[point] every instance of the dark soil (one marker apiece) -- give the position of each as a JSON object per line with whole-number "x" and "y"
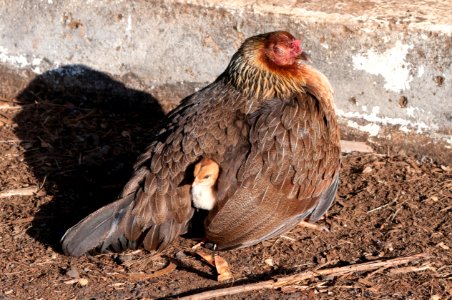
{"x": 79, "y": 151}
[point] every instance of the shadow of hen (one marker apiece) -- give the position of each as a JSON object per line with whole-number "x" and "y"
{"x": 82, "y": 131}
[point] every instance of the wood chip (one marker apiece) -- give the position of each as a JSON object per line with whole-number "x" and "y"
{"x": 442, "y": 245}
{"x": 269, "y": 261}
{"x": 367, "y": 170}
{"x": 313, "y": 226}
{"x": 446, "y": 168}
{"x": 72, "y": 281}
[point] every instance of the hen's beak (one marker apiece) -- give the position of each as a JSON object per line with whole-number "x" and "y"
{"x": 304, "y": 56}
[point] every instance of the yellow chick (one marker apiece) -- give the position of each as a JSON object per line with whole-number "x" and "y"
{"x": 203, "y": 188}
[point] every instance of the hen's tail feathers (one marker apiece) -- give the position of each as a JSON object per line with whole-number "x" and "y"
{"x": 326, "y": 199}
{"x": 98, "y": 229}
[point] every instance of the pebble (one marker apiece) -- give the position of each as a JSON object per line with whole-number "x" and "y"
{"x": 269, "y": 261}
{"x": 180, "y": 255}
{"x": 83, "y": 281}
{"x": 73, "y": 272}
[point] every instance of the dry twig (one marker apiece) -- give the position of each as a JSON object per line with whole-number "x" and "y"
{"x": 26, "y": 191}
{"x": 383, "y": 206}
{"x": 411, "y": 269}
{"x": 297, "y": 278}
{"x": 9, "y": 105}
{"x": 313, "y": 226}
{"x": 144, "y": 276}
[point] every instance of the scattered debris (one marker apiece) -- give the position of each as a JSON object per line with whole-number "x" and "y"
{"x": 298, "y": 278}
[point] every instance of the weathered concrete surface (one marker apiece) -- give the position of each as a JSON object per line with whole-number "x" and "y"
{"x": 390, "y": 62}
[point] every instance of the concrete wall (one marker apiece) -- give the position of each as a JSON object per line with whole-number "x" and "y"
{"x": 390, "y": 62}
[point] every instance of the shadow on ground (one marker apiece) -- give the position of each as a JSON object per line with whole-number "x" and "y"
{"x": 82, "y": 132}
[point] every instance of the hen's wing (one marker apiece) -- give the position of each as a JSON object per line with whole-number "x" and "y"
{"x": 288, "y": 171}
{"x": 155, "y": 205}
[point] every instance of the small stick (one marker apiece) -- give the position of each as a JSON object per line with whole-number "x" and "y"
{"x": 3, "y": 99}
{"x": 144, "y": 276}
{"x": 5, "y": 106}
{"x": 287, "y": 238}
{"x": 297, "y": 278}
{"x": 26, "y": 191}
{"x": 10, "y": 141}
{"x": 411, "y": 269}
{"x": 445, "y": 209}
{"x": 313, "y": 226}
{"x": 383, "y": 206}
{"x": 392, "y": 217}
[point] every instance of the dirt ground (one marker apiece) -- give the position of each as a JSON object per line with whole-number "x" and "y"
{"x": 78, "y": 152}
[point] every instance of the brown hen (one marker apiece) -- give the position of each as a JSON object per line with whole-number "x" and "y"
{"x": 268, "y": 121}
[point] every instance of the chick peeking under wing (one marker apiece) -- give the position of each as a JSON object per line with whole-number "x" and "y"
{"x": 203, "y": 188}
{"x": 204, "y": 196}
{"x": 204, "y": 193}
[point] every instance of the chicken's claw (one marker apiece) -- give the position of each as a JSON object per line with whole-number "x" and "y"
{"x": 214, "y": 260}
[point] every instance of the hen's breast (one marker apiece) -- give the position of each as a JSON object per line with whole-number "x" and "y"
{"x": 203, "y": 197}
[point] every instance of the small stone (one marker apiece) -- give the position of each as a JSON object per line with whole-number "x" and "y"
{"x": 269, "y": 261}
{"x": 367, "y": 169}
{"x": 83, "y": 281}
{"x": 434, "y": 198}
{"x": 403, "y": 102}
{"x": 328, "y": 278}
{"x": 124, "y": 258}
{"x": 73, "y": 272}
{"x": 439, "y": 80}
{"x": 125, "y": 133}
{"x": 180, "y": 255}
{"x": 389, "y": 247}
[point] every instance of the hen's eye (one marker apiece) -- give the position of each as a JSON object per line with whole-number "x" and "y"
{"x": 277, "y": 50}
